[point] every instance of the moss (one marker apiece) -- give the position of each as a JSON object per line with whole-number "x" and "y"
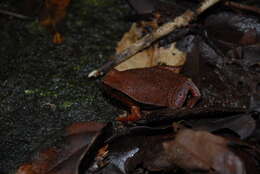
{"x": 97, "y": 2}
{"x": 34, "y": 28}
{"x": 66, "y": 104}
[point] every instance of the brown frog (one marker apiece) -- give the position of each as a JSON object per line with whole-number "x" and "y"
{"x": 155, "y": 86}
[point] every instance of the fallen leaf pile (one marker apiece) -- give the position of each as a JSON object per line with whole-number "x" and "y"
{"x": 92, "y": 147}
{"x": 79, "y": 137}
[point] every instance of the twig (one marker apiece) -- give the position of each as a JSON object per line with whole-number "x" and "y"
{"x": 20, "y": 16}
{"x": 147, "y": 40}
{"x": 242, "y": 7}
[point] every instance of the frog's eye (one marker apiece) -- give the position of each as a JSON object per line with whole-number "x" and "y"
{"x": 180, "y": 94}
{"x": 179, "y": 100}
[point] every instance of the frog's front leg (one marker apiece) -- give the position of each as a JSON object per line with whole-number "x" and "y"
{"x": 135, "y": 114}
{"x": 194, "y": 92}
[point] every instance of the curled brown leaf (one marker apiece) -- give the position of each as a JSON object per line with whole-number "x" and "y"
{"x": 202, "y": 151}
{"x": 65, "y": 160}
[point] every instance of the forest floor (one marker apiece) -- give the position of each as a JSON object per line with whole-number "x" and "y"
{"x": 43, "y": 86}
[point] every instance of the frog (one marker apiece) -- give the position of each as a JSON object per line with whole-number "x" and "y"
{"x": 156, "y": 87}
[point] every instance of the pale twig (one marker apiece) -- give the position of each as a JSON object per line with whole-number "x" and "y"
{"x": 147, "y": 40}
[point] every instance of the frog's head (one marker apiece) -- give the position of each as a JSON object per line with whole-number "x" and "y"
{"x": 179, "y": 97}
{"x": 111, "y": 78}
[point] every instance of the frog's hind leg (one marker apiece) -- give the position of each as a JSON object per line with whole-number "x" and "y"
{"x": 135, "y": 113}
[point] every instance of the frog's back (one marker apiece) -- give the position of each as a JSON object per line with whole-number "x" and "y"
{"x": 152, "y": 86}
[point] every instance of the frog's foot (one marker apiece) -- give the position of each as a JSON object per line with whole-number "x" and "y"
{"x": 124, "y": 114}
{"x": 133, "y": 116}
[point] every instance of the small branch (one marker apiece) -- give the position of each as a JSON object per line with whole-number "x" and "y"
{"x": 147, "y": 40}
{"x": 242, "y": 7}
{"x": 20, "y": 16}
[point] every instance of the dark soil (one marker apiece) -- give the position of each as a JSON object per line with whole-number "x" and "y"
{"x": 44, "y": 87}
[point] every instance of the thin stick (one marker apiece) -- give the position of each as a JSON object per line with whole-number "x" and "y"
{"x": 20, "y": 16}
{"x": 147, "y": 40}
{"x": 242, "y": 7}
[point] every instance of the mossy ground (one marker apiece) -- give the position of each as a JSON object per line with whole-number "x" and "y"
{"x": 44, "y": 87}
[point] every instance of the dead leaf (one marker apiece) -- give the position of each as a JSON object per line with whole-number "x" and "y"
{"x": 202, "y": 151}
{"x": 169, "y": 115}
{"x": 143, "y": 6}
{"x": 143, "y": 59}
{"x": 212, "y": 119}
{"x": 125, "y": 149}
{"x": 51, "y": 16}
{"x": 232, "y": 29}
{"x": 243, "y": 125}
{"x": 151, "y": 56}
{"x": 246, "y": 56}
{"x": 66, "y": 160}
{"x": 255, "y": 102}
